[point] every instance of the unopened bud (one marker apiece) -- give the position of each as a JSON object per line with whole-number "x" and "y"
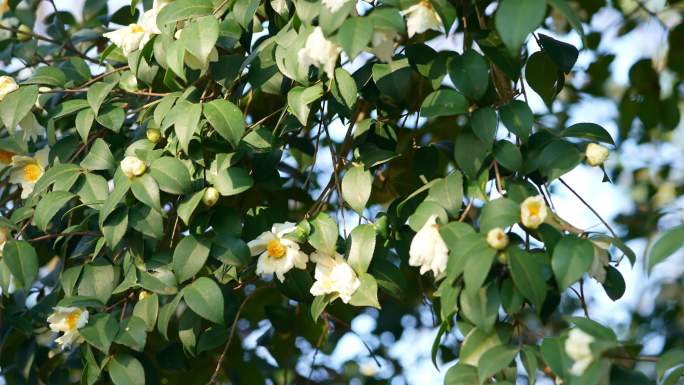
{"x": 210, "y": 197}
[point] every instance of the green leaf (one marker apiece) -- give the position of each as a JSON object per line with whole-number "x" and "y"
{"x": 516, "y": 19}
{"x": 48, "y": 206}
{"x": 563, "y": 54}
{"x": 204, "y": 297}
{"x": 494, "y": 360}
{"x": 147, "y": 309}
{"x": 16, "y": 105}
{"x": 557, "y": 158}
{"x": 318, "y": 305}
{"x": 501, "y": 212}
{"x": 325, "y": 232}
{"x": 484, "y": 122}
{"x": 470, "y": 153}
{"x": 230, "y": 250}
{"x": 667, "y": 244}
{"x": 552, "y": 351}
{"x": 361, "y": 247}
{"x": 115, "y": 226}
{"x": 22, "y": 261}
{"x": 188, "y": 206}
{"x": 591, "y": 131}
{"x": 478, "y": 261}
{"x": 99, "y": 157}
{"x": 444, "y": 102}
{"x": 673, "y": 357}
{"x": 97, "y": 93}
{"x": 543, "y": 76}
{"x": 481, "y": 307}
{"x": 299, "y": 99}
{"x": 356, "y": 187}
{"x": 133, "y": 334}
{"x": 393, "y": 78}
{"x": 470, "y": 74}
{"x": 423, "y": 212}
{"x": 354, "y": 35}
{"x": 199, "y": 37}
{"x": 527, "y": 276}
{"x": 98, "y": 280}
{"x": 448, "y": 193}
{"x": 146, "y": 190}
{"x": 227, "y": 120}
{"x": 165, "y": 314}
{"x": 571, "y": 258}
{"x": 344, "y": 88}
{"x": 189, "y": 257}
{"x": 125, "y": 369}
{"x": 67, "y": 108}
{"x": 233, "y": 181}
{"x": 461, "y": 374}
{"x": 184, "y": 9}
{"x": 367, "y": 293}
{"x": 187, "y": 122}
{"x": 508, "y": 155}
{"x": 100, "y": 331}
{"x": 49, "y": 76}
{"x": 112, "y": 117}
{"x": 84, "y": 122}
{"x": 171, "y": 175}
{"x": 517, "y": 117}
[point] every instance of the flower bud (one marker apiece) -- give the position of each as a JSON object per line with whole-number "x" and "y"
{"x": 596, "y": 154}
{"x": 132, "y": 166}
{"x": 210, "y": 197}
{"x": 497, "y": 238}
{"x": 153, "y": 135}
{"x": 24, "y": 33}
{"x": 502, "y": 258}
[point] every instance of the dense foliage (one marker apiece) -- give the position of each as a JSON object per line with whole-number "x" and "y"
{"x": 179, "y": 175}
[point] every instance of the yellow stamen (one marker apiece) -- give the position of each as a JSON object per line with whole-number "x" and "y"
{"x": 32, "y": 172}
{"x": 6, "y": 157}
{"x": 275, "y": 249}
{"x": 72, "y": 319}
{"x": 136, "y": 28}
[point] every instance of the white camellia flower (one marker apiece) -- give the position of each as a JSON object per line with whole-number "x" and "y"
{"x": 280, "y": 6}
{"x": 30, "y": 127}
{"x": 68, "y": 320}
{"x": 277, "y": 254}
{"x": 26, "y": 170}
{"x": 7, "y": 85}
{"x": 596, "y": 154}
{"x": 132, "y": 166}
{"x": 428, "y": 249}
{"x": 422, "y": 17}
{"x": 383, "y": 44}
{"x": 134, "y": 36}
{"x": 127, "y": 38}
{"x": 319, "y": 52}
{"x": 533, "y": 212}
{"x": 334, "y": 276}
{"x": 577, "y": 347}
{"x": 334, "y": 5}
{"x": 497, "y": 238}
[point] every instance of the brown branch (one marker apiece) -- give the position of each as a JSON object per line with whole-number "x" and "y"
{"x": 56, "y": 235}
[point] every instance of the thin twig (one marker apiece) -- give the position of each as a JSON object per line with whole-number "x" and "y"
{"x": 589, "y": 207}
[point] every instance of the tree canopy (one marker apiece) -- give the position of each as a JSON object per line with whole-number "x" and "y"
{"x": 213, "y": 191}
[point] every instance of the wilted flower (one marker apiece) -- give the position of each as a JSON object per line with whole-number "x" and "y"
{"x": 422, "y": 17}
{"x": 428, "y": 249}
{"x": 334, "y": 276}
{"x": 277, "y": 254}
{"x": 7, "y": 85}
{"x": 497, "y": 238}
{"x": 383, "y": 44}
{"x": 577, "y": 347}
{"x": 319, "y": 52}
{"x": 26, "y": 170}
{"x": 533, "y": 212}
{"x": 596, "y": 154}
{"x": 68, "y": 320}
{"x": 132, "y": 166}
